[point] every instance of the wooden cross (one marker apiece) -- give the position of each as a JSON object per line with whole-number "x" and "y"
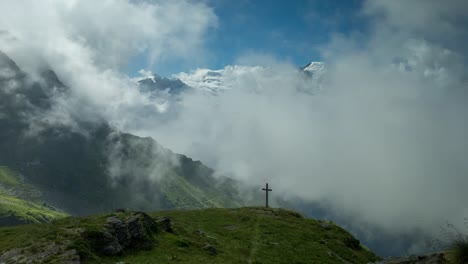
{"x": 266, "y": 191}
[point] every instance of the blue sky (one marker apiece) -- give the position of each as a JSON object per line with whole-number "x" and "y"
{"x": 289, "y": 31}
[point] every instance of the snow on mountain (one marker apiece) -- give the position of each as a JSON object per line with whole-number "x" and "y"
{"x": 314, "y": 67}
{"x": 156, "y": 84}
{"x": 214, "y": 82}
{"x": 316, "y": 71}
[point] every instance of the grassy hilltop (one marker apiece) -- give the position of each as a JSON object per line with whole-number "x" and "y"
{"x": 244, "y": 235}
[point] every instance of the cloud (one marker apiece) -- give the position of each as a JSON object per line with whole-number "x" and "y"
{"x": 442, "y": 23}
{"x": 108, "y": 33}
{"x": 89, "y": 44}
{"x": 384, "y": 142}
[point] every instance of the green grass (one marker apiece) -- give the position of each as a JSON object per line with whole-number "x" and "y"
{"x": 34, "y": 238}
{"x": 8, "y": 177}
{"x": 459, "y": 250}
{"x": 243, "y": 235}
{"x": 182, "y": 194}
{"x": 21, "y": 202}
{"x": 25, "y": 211}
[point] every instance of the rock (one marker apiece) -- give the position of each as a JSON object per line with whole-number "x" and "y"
{"x": 352, "y": 243}
{"x": 165, "y": 224}
{"x": 118, "y": 234}
{"x": 111, "y": 238}
{"x": 135, "y": 229}
{"x": 104, "y": 242}
{"x": 199, "y": 232}
{"x": 138, "y": 234}
{"x": 70, "y": 257}
{"x": 33, "y": 254}
{"x": 120, "y": 229}
{"x": 147, "y": 221}
{"x": 210, "y": 248}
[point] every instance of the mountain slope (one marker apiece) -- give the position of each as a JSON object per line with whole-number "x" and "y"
{"x": 244, "y": 235}
{"x": 88, "y": 166}
{"x": 21, "y": 203}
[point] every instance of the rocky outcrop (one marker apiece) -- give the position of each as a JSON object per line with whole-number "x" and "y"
{"x": 36, "y": 253}
{"x": 165, "y": 224}
{"x": 119, "y": 233}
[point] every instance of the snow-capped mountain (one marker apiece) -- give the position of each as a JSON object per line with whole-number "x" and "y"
{"x": 158, "y": 84}
{"x": 216, "y": 81}
{"x": 314, "y": 67}
{"x": 316, "y": 71}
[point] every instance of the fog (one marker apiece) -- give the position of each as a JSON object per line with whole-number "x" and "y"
{"x": 384, "y": 139}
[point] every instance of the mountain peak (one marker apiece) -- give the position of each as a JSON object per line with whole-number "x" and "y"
{"x": 156, "y": 83}
{"x": 313, "y": 66}
{"x": 8, "y": 68}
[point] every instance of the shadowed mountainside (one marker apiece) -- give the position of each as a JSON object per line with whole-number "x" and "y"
{"x": 90, "y": 167}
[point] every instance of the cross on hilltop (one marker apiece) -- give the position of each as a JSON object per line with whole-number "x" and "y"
{"x": 266, "y": 191}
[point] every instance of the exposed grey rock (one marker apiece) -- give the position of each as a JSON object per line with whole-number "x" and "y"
{"x": 165, "y": 224}
{"x": 119, "y": 234}
{"x": 147, "y": 221}
{"x": 110, "y": 244}
{"x": 41, "y": 255}
{"x": 159, "y": 84}
{"x": 70, "y": 257}
{"x": 135, "y": 229}
{"x": 116, "y": 235}
{"x": 199, "y": 232}
{"x": 120, "y": 229}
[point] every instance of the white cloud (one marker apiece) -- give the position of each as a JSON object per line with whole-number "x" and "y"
{"x": 384, "y": 141}
{"x": 89, "y": 44}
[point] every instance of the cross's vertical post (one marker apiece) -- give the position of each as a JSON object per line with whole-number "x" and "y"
{"x": 266, "y": 191}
